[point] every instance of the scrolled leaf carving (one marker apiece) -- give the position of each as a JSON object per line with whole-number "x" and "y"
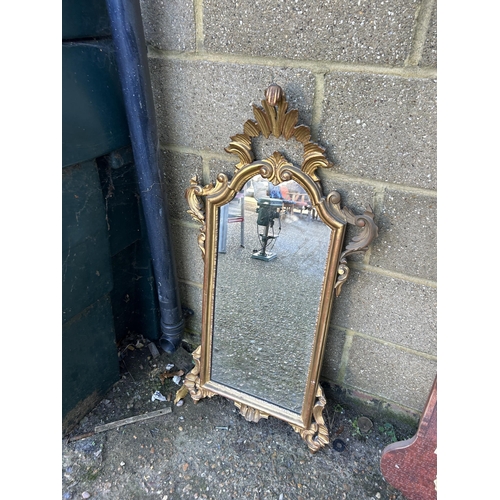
{"x": 241, "y": 145}
{"x": 314, "y": 158}
{"x": 342, "y": 274}
{"x": 274, "y": 168}
{"x": 359, "y": 243}
{"x": 333, "y": 202}
{"x": 194, "y": 195}
{"x": 192, "y": 380}
{"x": 275, "y": 118}
{"x": 249, "y": 413}
{"x": 317, "y": 435}
{"x": 362, "y": 241}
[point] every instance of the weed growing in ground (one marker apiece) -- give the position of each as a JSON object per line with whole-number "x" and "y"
{"x": 331, "y": 419}
{"x": 388, "y": 430}
{"x": 356, "y": 431}
{"x": 91, "y": 474}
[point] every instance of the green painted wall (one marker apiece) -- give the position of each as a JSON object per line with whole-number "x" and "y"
{"x": 108, "y": 288}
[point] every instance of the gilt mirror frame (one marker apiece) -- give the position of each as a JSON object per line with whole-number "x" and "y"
{"x": 204, "y": 203}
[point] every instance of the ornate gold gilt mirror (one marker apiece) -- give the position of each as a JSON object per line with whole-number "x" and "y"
{"x": 273, "y": 253}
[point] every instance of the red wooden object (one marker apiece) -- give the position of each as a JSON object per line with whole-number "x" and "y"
{"x": 411, "y": 466}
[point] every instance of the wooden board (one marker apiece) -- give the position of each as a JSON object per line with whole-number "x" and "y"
{"x": 132, "y": 420}
{"x": 411, "y": 465}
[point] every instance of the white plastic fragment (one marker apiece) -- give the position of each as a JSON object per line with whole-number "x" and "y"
{"x": 158, "y": 396}
{"x": 169, "y": 367}
{"x": 180, "y": 402}
{"x": 177, "y": 379}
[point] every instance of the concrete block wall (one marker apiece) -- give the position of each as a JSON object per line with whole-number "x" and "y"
{"x": 363, "y": 76}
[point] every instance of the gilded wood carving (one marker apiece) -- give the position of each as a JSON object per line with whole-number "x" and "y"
{"x": 205, "y": 202}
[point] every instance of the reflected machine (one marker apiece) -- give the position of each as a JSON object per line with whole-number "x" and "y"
{"x": 268, "y": 209}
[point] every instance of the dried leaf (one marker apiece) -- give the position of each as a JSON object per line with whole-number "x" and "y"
{"x": 164, "y": 375}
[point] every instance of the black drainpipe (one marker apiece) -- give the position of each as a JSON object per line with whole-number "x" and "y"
{"x": 131, "y": 55}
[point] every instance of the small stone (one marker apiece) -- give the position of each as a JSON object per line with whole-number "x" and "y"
{"x": 180, "y": 402}
{"x": 85, "y": 494}
{"x": 364, "y": 424}
{"x": 122, "y": 463}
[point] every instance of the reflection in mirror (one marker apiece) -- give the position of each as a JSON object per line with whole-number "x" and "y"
{"x": 270, "y": 268}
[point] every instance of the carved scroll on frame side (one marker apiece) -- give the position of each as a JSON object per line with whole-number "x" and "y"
{"x": 192, "y": 380}
{"x": 317, "y": 435}
{"x": 359, "y": 243}
{"x": 195, "y": 195}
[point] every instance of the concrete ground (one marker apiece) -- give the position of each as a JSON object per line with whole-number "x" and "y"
{"x": 209, "y": 451}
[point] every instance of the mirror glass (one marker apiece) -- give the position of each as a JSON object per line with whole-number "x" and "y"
{"x": 272, "y": 252}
